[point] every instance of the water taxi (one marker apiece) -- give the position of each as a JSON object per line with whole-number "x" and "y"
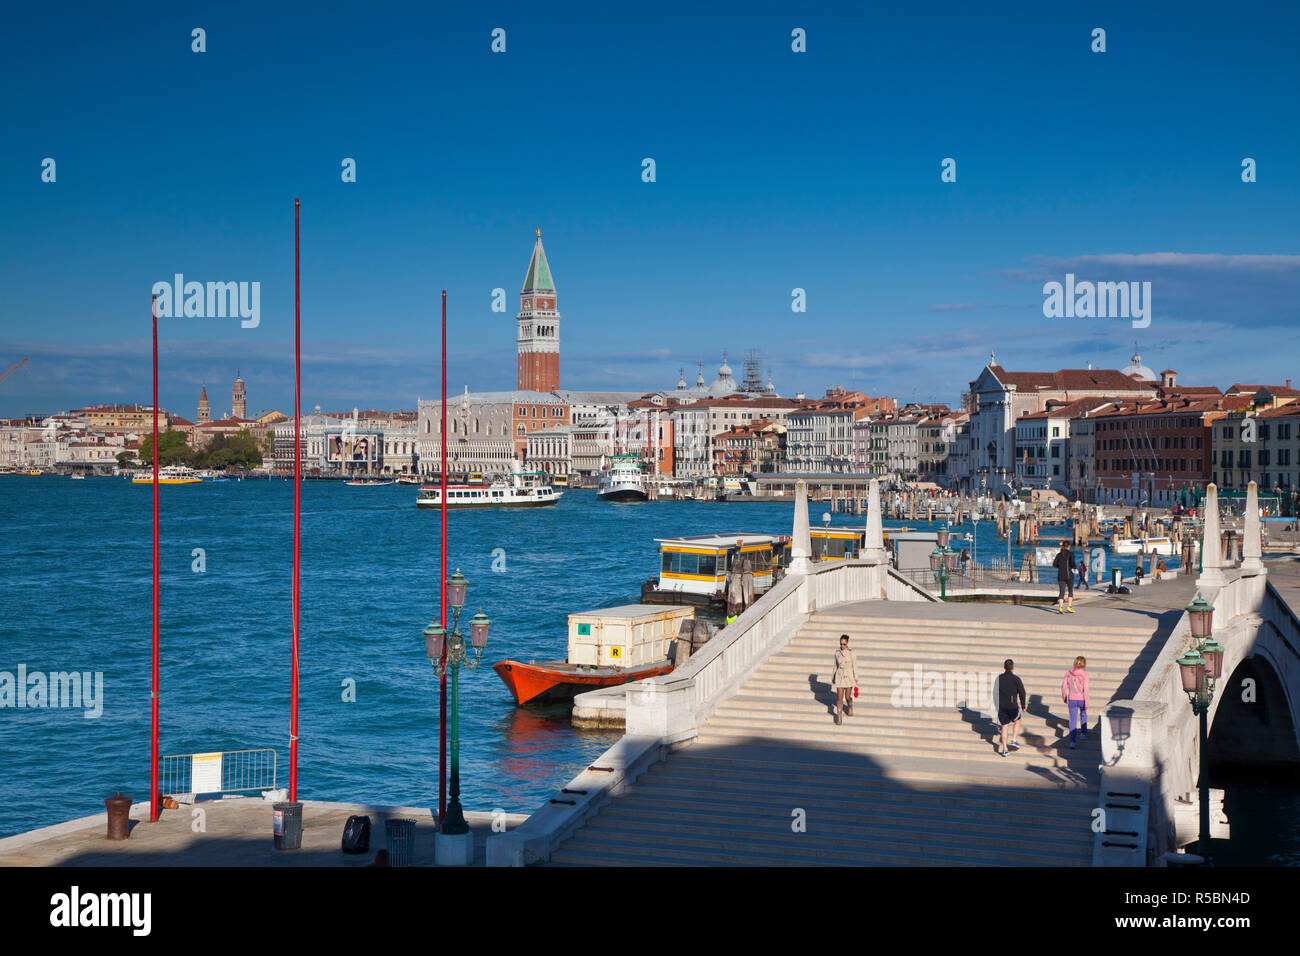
{"x": 1147, "y": 546}
{"x": 621, "y": 479}
{"x": 409, "y": 480}
{"x": 611, "y": 646}
{"x": 516, "y": 490}
{"x": 369, "y": 482}
{"x": 560, "y": 481}
{"x": 171, "y": 475}
{"x": 693, "y": 569}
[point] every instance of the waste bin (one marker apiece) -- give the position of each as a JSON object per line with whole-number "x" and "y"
{"x": 288, "y": 825}
{"x": 400, "y": 834}
{"x": 1116, "y": 577}
{"x": 119, "y": 816}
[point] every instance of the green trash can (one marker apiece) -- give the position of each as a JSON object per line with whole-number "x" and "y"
{"x": 288, "y": 825}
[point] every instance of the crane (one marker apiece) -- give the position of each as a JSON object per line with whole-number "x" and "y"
{"x": 13, "y": 368}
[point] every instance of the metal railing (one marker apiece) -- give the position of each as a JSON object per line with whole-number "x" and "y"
{"x": 223, "y": 771}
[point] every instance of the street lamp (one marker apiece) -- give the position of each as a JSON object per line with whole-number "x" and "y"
{"x": 1200, "y": 667}
{"x": 942, "y": 561}
{"x": 436, "y": 641}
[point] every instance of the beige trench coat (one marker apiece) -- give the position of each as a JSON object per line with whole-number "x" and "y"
{"x": 846, "y": 669}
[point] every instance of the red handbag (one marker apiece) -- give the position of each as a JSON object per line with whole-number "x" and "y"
{"x": 855, "y": 692}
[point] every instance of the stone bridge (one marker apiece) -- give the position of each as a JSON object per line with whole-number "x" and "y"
{"x": 734, "y": 757}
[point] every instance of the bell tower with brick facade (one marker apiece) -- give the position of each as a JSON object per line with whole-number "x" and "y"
{"x": 539, "y": 326}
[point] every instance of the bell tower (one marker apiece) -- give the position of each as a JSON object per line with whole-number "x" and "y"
{"x": 237, "y": 399}
{"x": 205, "y": 410}
{"x": 539, "y": 326}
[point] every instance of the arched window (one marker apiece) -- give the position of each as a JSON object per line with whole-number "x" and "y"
{"x": 522, "y": 428}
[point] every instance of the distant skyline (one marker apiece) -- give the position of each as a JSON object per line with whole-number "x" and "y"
{"x": 775, "y": 171}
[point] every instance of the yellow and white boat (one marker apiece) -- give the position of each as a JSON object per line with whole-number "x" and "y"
{"x": 693, "y": 569}
{"x": 171, "y": 475}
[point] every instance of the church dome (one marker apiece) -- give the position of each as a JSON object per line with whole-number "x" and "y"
{"x": 1136, "y": 367}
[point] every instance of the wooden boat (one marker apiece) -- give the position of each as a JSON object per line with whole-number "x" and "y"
{"x": 606, "y": 647}
{"x": 368, "y": 483}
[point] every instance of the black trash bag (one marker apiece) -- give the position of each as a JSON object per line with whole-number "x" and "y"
{"x": 356, "y": 835}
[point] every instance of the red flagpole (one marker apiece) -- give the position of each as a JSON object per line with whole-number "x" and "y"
{"x": 153, "y": 696}
{"x": 297, "y": 502}
{"x": 442, "y": 603}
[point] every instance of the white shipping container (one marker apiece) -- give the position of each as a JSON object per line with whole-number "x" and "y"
{"x": 633, "y": 635}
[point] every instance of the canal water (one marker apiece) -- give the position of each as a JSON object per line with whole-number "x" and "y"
{"x": 75, "y": 575}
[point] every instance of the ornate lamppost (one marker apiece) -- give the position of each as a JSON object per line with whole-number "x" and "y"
{"x": 1201, "y": 666}
{"x": 458, "y": 655}
{"x": 942, "y": 561}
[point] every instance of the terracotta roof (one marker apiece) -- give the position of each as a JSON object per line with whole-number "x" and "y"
{"x": 1069, "y": 378}
{"x": 1280, "y": 391}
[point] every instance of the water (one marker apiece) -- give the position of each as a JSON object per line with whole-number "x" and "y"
{"x": 76, "y": 573}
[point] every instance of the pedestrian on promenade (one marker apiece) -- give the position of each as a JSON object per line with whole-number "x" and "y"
{"x": 844, "y": 679}
{"x": 1083, "y": 575}
{"x": 1009, "y": 698}
{"x": 1064, "y": 578}
{"x": 1074, "y": 694}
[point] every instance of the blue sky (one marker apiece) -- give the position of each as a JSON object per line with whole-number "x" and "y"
{"x": 775, "y": 170}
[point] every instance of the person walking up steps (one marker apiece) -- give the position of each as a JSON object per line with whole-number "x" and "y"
{"x": 1064, "y": 578}
{"x": 1074, "y": 694}
{"x": 1009, "y": 698}
{"x": 844, "y": 680}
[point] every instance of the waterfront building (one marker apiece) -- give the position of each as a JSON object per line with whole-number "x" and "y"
{"x": 1271, "y": 459}
{"x": 936, "y": 437}
{"x": 184, "y": 426}
{"x": 551, "y": 450}
{"x": 750, "y": 449}
{"x": 1148, "y": 451}
{"x": 120, "y": 416}
{"x": 820, "y": 433}
{"x": 999, "y": 397}
{"x": 398, "y": 450}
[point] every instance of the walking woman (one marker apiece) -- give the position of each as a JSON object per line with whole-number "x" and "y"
{"x": 1074, "y": 694}
{"x": 844, "y": 680}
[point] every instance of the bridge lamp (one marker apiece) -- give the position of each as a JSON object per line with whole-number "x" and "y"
{"x": 1192, "y": 667}
{"x": 1201, "y": 614}
{"x": 1212, "y": 651}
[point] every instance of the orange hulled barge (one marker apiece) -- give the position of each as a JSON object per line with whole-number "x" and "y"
{"x": 607, "y": 647}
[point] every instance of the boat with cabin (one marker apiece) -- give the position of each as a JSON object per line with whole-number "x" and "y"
{"x": 1160, "y": 545}
{"x": 694, "y": 569}
{"x": 519, "y": 489}
{"x": 611, "y": 646}
{"x": 622, "y": 479}
{"x": 170, "y": 475}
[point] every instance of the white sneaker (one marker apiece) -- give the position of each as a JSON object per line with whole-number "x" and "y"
{"x": 1013, "y": 745}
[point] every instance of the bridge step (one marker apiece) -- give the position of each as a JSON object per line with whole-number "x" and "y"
{"x": 891, "y": 785}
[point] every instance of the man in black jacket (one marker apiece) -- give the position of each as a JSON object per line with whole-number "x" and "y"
{"x": 1009, "y": 698}
{"x": 1064, "y": 578}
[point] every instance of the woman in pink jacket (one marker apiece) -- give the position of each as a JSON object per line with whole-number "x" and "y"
{"x": 1074, "y": 693}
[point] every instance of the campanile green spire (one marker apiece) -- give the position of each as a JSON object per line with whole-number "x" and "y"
{"x": 538, "y": 278}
